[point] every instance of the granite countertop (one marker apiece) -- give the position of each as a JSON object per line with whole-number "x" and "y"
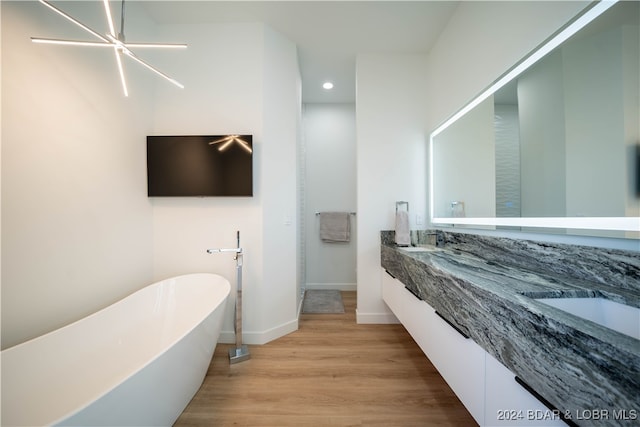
{"x": 575, "y": 364}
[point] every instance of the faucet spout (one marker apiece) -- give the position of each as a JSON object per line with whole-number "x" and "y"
{"x": 217, "y": 250}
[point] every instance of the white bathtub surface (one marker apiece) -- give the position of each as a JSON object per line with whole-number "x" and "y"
{"x": 52, "y": 377}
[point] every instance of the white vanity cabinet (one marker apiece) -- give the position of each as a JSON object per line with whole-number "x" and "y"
{"x": 410, "y": 311}
{"x": 459, "y": 360}
{"x": 486, "y": 387}
{"x": 507, "y": 403}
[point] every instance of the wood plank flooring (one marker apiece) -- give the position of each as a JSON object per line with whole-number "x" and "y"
{"x": 331, "y": 372}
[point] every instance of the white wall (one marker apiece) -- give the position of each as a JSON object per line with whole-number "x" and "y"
{"x": 216, "y": 100}
{"x": 76, "y": 224}
{"x": 79, "y": 231}
{"x": 1, "y": 175}
{"x": 402, "y": 98}
{"x": 76, "y": 230}
{"x": 595, "y": 125}
{"x": 487, "y": 39}
{"x": 279, "y": 288}
{"x": 330, "y": 185}
{"x": 239, "y": 78}
{"x": 543, "y": 154}
{"x": 631, "y": 71}
{"x": 391, "y": 165}
{"x": 482, "y": 41}
{"x": 465, "y": 164}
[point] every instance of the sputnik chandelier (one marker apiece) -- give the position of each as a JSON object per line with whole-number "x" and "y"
{"x": 113, "y": 41}
{"x": 230, "y": 139}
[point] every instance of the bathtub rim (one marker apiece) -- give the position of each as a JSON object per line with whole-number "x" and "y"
{"x": 95, "y": 313}
{"x": 133, "y": 371}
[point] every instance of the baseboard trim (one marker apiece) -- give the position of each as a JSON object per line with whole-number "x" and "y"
{"x": 376, "y": 318}
{"x": 227, "y": 337}
{"x": 332, "y": 286}
{"x": 259, "y": 338}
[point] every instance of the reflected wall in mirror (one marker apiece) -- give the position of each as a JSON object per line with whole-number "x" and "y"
{"x": 551, "y": 146}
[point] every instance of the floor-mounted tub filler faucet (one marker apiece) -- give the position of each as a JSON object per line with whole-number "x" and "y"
{"x": 241, "y": 352}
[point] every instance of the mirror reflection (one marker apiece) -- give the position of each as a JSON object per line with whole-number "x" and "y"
{"x": 561, "y": 140}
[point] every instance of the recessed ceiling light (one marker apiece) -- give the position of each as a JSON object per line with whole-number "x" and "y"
{"x": 327, "y": 85}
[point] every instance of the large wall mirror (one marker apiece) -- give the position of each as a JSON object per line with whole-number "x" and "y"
{"x": 553, "y": 145}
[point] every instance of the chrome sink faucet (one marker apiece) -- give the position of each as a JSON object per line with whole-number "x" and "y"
{"x": 237, "y": 250}
{"x": 214, "y": 250}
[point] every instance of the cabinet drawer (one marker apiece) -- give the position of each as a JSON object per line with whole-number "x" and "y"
{"x": 459, "y": 361}
{"x": 410, "y": 311}
{"x": 509, "y": 404}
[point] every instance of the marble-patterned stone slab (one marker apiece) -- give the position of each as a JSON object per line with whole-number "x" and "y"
{"x": 575, "y": 364}
{"x": 607, "y": 266}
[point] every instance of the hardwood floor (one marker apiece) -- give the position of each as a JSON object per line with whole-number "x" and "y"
{"x": 331, "y": 372}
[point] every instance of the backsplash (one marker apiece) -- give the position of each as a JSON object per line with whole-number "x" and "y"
{"x": 612, "y": 267}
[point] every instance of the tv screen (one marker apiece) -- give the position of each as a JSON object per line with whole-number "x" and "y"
{"x": 200, "y": 166}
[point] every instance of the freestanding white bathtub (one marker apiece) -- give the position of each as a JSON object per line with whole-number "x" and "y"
{"x": 137, "y": 362}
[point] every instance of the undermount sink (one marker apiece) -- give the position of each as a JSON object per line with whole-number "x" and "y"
{"x": 419, "y": 248}
{"x": 610, "y": 314}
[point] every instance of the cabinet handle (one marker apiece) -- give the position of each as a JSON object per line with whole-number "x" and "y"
{"x": 458, "y": 330}
{"x": 545, "y": 402}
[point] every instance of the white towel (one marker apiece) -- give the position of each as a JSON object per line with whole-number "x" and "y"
{"x": 403, "y": 238}
{"x": 335, "y": 226}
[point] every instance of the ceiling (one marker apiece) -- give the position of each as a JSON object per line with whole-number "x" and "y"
{"x": 329, "y": 34}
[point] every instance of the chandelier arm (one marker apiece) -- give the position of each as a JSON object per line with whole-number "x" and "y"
{"x": 70, "y": 42}
{"x": 110, "y": 40}
{"x": 107, "y": 10}
{"x": 156, "y": 45}
{"x": 75, "y": 21}
{"x": 150, "y": 67}
{"x": 118, "y": 53}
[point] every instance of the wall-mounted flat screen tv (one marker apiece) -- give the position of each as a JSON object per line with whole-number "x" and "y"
{"x": 200, "y": 166}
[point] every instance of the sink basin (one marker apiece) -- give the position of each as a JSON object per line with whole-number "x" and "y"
{"x": 610, "y": 314}
{"x": 419, "y": 249}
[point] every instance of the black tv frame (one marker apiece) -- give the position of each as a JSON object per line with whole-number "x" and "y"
{"x": 195, "y": 166}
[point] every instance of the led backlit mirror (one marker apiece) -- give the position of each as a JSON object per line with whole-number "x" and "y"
{"x": 553, "y": 145}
